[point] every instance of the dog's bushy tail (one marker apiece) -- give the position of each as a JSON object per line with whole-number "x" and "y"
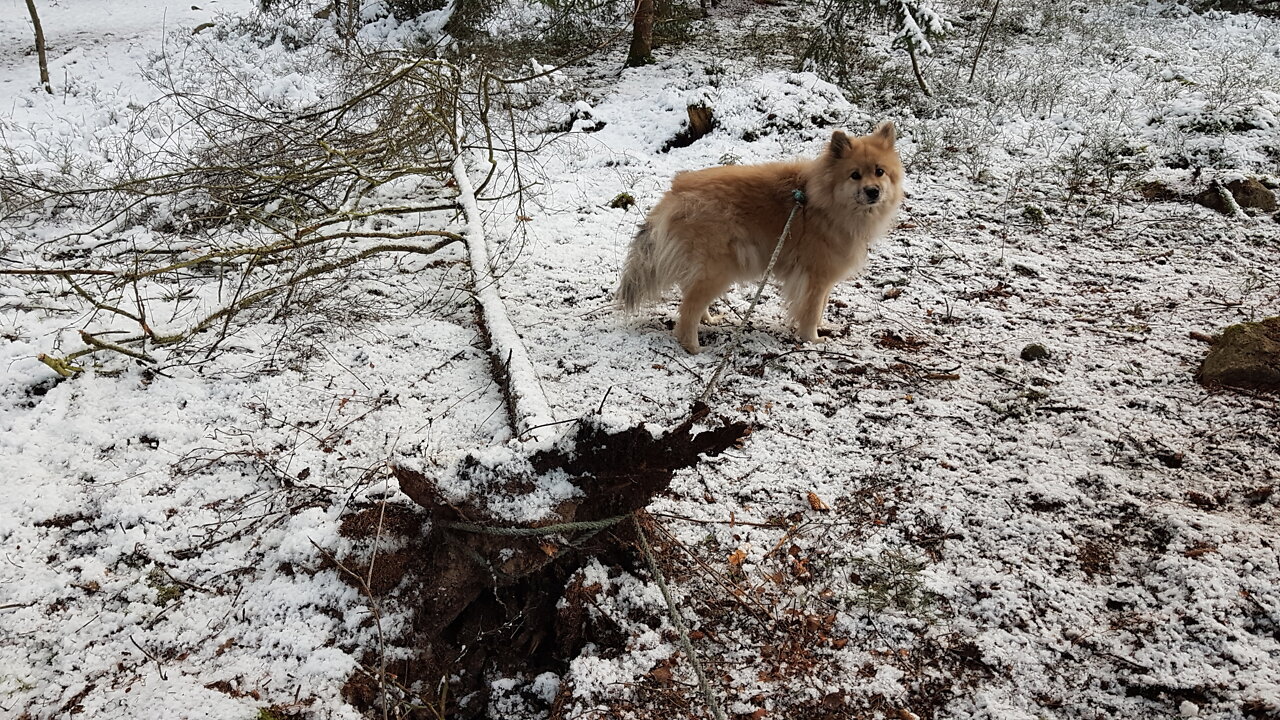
{"x": 641, "y": 283}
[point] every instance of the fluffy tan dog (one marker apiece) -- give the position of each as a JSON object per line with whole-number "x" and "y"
{"x": 718, "y": 226}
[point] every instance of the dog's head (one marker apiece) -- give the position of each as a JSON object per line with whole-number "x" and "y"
{"x": 864, "y": 173}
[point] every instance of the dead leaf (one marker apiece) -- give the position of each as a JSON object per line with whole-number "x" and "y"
{"x": 817, "y": 503}
{"x": 735, "y": 560}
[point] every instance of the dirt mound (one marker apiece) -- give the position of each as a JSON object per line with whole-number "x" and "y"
{"x": 1246, "y": 355}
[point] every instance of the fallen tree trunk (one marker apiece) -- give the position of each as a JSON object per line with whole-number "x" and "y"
{"x": 527, "y": 406}
{"x": 489, "y": 591}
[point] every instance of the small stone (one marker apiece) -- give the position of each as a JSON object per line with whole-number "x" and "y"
{"x": 1246, "y": 355}
{"x": 1034, "y": 351}
{"x": 1189, "y": 709}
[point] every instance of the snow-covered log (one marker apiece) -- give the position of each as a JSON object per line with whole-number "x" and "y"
{"x": 526, "y": 403}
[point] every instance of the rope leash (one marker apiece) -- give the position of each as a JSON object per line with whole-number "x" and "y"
{"x": 685, "y": 643}
{"x": 736, "y": 339}
{"x": 594, "y": 527}
{"x": 568, "y": 527}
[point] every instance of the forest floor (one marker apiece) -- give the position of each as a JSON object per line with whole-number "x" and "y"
{"x": 926, "y": 520}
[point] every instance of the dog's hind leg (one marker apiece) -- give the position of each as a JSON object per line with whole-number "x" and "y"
{"x": 697, "y": 298}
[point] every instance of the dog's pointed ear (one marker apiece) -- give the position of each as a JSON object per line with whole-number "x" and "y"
{"x": 885, "y": 133}
{"x": 839, "y": 146}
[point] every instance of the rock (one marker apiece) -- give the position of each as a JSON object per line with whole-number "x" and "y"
{"x": 1213, "y": 200}
{"x": 1246, "y": 355}
{"x": 1249, "y": 194}
{"x": 1034, "y": 351}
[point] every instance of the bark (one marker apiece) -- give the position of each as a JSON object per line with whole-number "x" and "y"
{"x": 642, "y": 35}
{"x": 702, "y": 120}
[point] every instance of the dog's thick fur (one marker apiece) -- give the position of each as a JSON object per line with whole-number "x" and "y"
{"x": 719, "y": 226}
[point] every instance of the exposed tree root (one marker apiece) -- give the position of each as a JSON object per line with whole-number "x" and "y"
{"x": 488, "y": 600}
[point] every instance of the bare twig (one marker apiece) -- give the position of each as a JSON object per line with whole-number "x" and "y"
{"x": 374, "y": 608}
{"x": 150, "y": 657}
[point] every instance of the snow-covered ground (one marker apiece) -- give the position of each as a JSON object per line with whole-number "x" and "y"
{"x": 1091, "y": 534}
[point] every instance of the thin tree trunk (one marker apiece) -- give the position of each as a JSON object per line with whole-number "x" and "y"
{"x": 915, "y": 67}
{"x": 641, "y": 35}
{"x": 40, "y": 52}
{"x": 983, "y": 40}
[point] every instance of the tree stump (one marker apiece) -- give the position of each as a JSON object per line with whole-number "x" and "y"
{"x": 702, "y": 120}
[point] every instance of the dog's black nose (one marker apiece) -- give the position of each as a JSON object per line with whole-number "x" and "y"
{"x": 873, "y": 193}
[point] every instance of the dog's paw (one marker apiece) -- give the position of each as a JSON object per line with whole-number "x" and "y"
{"x": 690, "y": 344}
{"x": 710, "y": 319}
{"x": 812, "y": 337}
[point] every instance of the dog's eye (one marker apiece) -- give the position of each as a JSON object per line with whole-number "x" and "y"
{"x": 856, "y": 175}
{"x": 879, "y": 172}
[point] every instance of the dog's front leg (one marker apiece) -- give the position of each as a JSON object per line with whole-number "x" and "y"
{"x": 808, "y": 312}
